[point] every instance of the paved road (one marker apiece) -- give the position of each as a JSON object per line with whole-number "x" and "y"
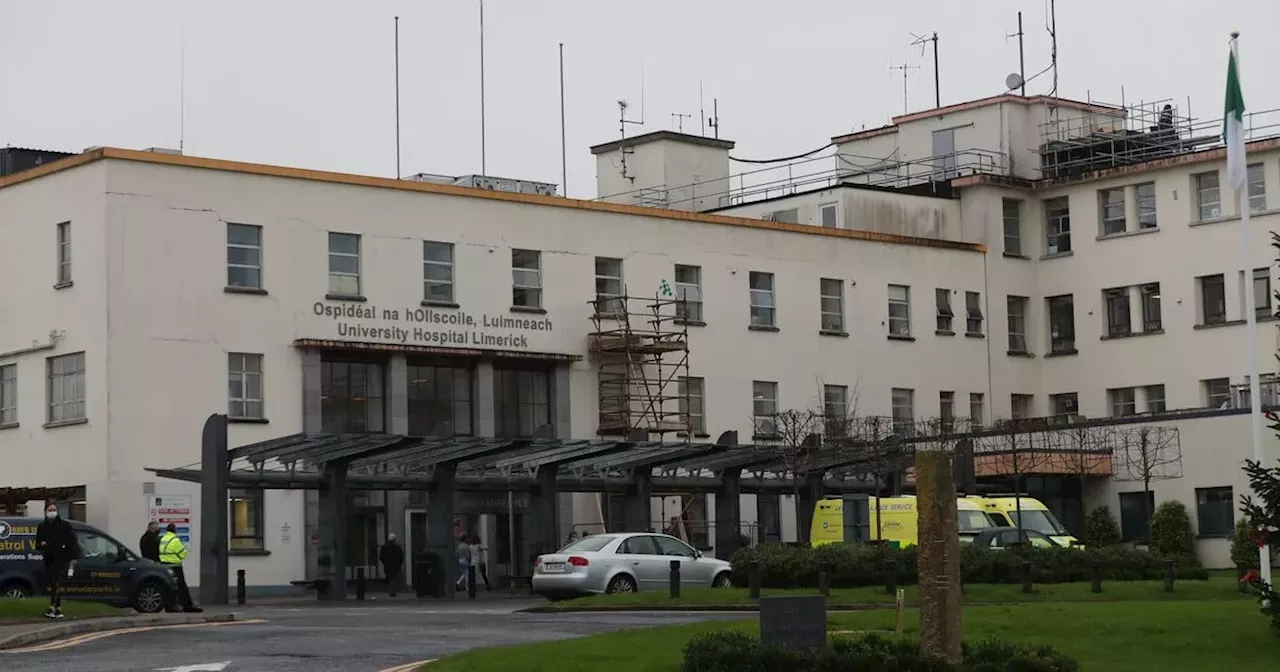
{"x": 316, "y": 638}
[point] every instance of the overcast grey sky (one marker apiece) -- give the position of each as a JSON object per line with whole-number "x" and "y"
{"x": 310, "y": 83}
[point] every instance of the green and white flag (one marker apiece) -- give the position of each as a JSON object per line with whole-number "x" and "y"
{"x": 1233, "y": 122}
{"x": 664, "y": 289}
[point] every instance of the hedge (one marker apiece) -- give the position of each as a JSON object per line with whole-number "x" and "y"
{"x": 736, "y": 651}
{"x": 855, "y": 565}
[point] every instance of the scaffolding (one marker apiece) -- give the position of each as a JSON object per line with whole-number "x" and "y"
{"x": 1075, "y": 142}
{"x": 640, "y": 348}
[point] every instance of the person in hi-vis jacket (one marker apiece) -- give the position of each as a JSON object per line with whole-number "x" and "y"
{"x": 172, "y": 553}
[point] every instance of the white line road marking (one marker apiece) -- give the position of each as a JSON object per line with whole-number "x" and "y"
{"x": 408, "y": 667}
{"x": 202, "y": 667}
{"x": 94, "y": 636}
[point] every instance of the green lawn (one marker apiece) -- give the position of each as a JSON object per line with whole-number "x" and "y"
{"x": 1138, "y": 636}
{"x": 1216, "y": 588}
{"x": 33, "y": 608}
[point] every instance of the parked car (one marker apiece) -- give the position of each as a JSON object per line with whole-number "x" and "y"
{"x": 1003, "y": 537}
{"x": 106, "y": 572}
{"x": 624, "y": 563}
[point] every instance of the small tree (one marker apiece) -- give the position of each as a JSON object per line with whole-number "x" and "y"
{"x": 1244, "y": 550}
{"x": 1101, "y": 529}
{"x": 1021, "y": 450}
{"x": 794, "y": 438}
{"x": 1145, "y": 454}
{"x": 1171, "y": 531}
{"x": 1262, "y": 515}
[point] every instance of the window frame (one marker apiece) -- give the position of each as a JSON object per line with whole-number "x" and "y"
{"x": 610, "y": 287}
{"x": 903, "y": 322}
{"x": 425, "y": 380}
{"x": 1116, "y": 300}
{"x": 834, "y": 208}
{"x": 688, "y": 309}
{"x": 9, "y": 394}
{"x": 903, "y": 423}
{"x": 1147, "y": 391}
{"x": 1017, "y": 322}
{"x": 1108, "y": 217}
{"x": 1218, "y": 285}
{"x": 973, "y": 313}
{"x": 1072, "y": 399}
{"x": 1027, "y": 403}
{"x": 1150, "y": 296}
{"x": 1256, "y": 187}
{"x": 1057, "y": 222}
{"x": 945, "y": 316}
{"x": 429, "y": 262}
{"x": 693, "y": 389}
{"x": 64, "y": 253}
{"x": 1148, "y": 212}
{"x": 335, "y": 277}
{"x": 831, "y": 321}
{"x": 763, "y": 315}
{"x": 835, "y": 410}
{"x": 977, "y": 411}
{"x": 255, "y": 540}
{"x": 525, "y": 386}
{"x": 243, "y": 375}
{"x": 1015, "y": 220}
{"x": 526, "y": 280}
{"x": 764, "y": 408}
{"x": 359, "y": 400}
{"x": 1262, "y": 308}
{"x": 1128, "y": 534}
{"x": 1122, "y": 401}
{"x": 1061, "y": 343}
{"x": 247, "y": 268}
{"x": 1225, "y": 528}
{"x": 1206, "y": 209}
{"x": 55, "y": 412}
{"x": 1216, "y": 388}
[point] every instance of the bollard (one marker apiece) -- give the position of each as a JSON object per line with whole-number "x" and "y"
{"x": 675, "y": 579}
{"x": 1095, "y": 577}
{"x": 1168, "y": 576}
{"x": 360, "y": 583}
{"x": 1026, "y": 577}
{"x": 824, "y": 583}
{"x": 239, "y": 586}
{"x": 754, "y": 579}
{"x": 891, "y": 578}
{"x": 471, "y": 582}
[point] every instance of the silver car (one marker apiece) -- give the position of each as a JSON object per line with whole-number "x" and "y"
{"x": 624, "y": 563}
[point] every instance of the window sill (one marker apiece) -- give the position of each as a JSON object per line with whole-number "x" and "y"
{"x": 1011, "y": 255}
{"x": 257, "y": 291}
{"x": 1057, "y": 255}
{"x": 9, "y": 425}
{"x": 66, "y": 423}
{"x": 1219, "y": 325}
{"x": 838, "y": 334}
{"x": 439, "y": 304}
{"x": 529, "y": 309}
{"x": 1021, "y": 353}
{"x": 1135, "y": 334}
{"x": 345, "y": 297}
{"x": 1233, "y": 218}
{"x": 247, "y": 421}
{"x": 1127, "y": 234}
{"x": 943, "y": 332}
{"x": 64, "y": 285}
{"x": 248, "y": 552}
{"x": 974, "y": 335}
{"x": 761, "y": 327}
{"x": 690, "y": 323}
{"x": 1063, "y": 353}
{"x": 696, "y": 435}
{"x": 899, "y": 337}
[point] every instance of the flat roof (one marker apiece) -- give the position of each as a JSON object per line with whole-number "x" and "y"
{"x": 244, "y": 168}
{"x": 974, "y": 104}
{"x": 656, "y": 136}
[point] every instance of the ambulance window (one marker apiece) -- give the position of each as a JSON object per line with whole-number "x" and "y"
{"x": 1001, "y": 520}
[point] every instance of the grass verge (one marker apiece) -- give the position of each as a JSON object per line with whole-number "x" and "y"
{"x": 33, "y": 608}
{"x": 1190, "y": 635}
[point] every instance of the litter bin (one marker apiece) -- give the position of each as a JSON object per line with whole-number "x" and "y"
{"x": 428, "y": 575}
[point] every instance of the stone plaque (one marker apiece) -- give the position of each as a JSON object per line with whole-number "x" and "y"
{"x": 794, "y": 622}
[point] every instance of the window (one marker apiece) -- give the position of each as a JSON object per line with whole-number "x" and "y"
{"x": 1262, "y": 293}
{"x": 344, "y": 264}
{"x": 674, "y": 548}
{"x": 1118, "y": 323}
{"x": 1215, "y": 511}
{"x": 66, "y": 387}
{"x": 832, "y": 300}
{"x": 835, "y": 410}
{"x": 244, "y": 256}
{"x": 64, "y": 253}
{"x": 99, "y": 549}
{"x": 1012, "y": 226}
{"x": 762, "y": 309}
{"x": 830, "y": 215}
{"x": 1155, "y": 398}
{"x": 973, "y": 313}
{"x": 439, "y": 399}
{"x": 899, "y": 310}
{"x": 521, "y": 401}
{"x": 1147, "y": 206}
{"x": 1111, "y": 204}
{"x": 1151, "y": 320}
{"x": 693, "y": 403}
{"x": 947, "y": 409}
{"x": 437, "y": 272}
{"x": 1017, "y": 307}
{"x": 1057, "y": 217}
{"x": 245, "y": 519}
{"x": 1255, "y": 175}
{"x": 244, "y": 394}
{"x": 526, "y": 279}
{"x": 1062, "y": 325}
{"x": 352, "y": 397}
{"x": 1135, "y": 515}
{"x": 609, "y": 286}
{"x": 976, "y": 411}
{"x": 943, "y": 298}
{"x": 1213, "y": 300}
{"x": 8, "y": 394}
{"x": 764, "y": 407}
{"x": 1208, "y": 196}
{"x": 1217, "y": 392}
{"x": 1123, "y": 401}
{"x": 689, "y": 293}
{"x": 902, "y": 403}
{"x": 1063, "y": 404}
{"x": 1020, "y": 406}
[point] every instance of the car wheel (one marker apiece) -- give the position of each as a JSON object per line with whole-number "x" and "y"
{"x": 723, "y": 580}
{"x": 15, "y": 590}
{"x": 622, "y": 583}
{"x": 149, "y": 598}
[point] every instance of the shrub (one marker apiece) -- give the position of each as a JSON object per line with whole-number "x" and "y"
{"x": 1171, "y": 534}
{"x": 1244, "y": 551}
{"x": 736, "y": 651}
{"x": 1101, "y": 529}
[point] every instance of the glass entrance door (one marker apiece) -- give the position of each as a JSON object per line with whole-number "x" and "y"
{"x": 415, "y": 542}
{"x": 364, "y": 538}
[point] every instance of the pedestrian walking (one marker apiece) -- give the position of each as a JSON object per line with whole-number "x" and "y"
{"x": 392, "y": 557}
{"x": 480, "y": 559}
{"x": 464, "y": 561}
{"x": 57, "y": 543}
{"x": 149, "y": 544}
{"x": 172, "y": 553}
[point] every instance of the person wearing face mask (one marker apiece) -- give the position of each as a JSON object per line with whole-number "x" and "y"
{"x": 57, "y": 543}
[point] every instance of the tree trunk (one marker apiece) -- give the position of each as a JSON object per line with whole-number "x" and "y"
{"x": 938, "y": 571}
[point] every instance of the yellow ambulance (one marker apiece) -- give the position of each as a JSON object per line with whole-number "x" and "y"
{"x": 1003, "y": 510}
{"x": 897, "y": 523}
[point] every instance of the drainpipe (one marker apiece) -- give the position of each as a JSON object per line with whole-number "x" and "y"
{"x": 55, "y": 335}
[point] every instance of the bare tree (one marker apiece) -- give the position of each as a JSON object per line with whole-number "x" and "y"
{"x": 1147, "y": 453}
{"x": 794, "y": 438}
{"x": 1021, "y": 448}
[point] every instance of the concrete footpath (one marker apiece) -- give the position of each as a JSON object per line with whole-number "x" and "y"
{"x": 26, "y": 634}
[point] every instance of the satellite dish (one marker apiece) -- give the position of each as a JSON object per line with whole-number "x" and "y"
{"x": 1013, "y": 81}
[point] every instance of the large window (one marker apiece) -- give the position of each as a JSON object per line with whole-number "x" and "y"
{"x": 689, "y": 293}
{"x": 831, "y": 300}
{"x": 1208, "y": 195}
{"x": 1017, "y": 307}
{"x": 352, "y": 397}
{"x": 1012, "y": 226}
{"x": 947, "y": 409}
{"x": 1135, "y": 516}
{"x": 437, "y": 272}
{"x": 1262, "y": 293}
{"x": 1155, "y": 398}
{"x": 1147, "y": 206}
{"x": 900, "y": 311}
{"x": 1112, "y": 211}
{"x": 439, "y": 400}
{"x": 246, "y": 519}
{"x": 692, "y": 392}
{"x": 522, "y": 401}
{"x": 8, "y": 394}
{"x": 973, "y": 314}
{"x": 1064, "y": 404}
{"x": 1057, "y": 222}
{"x": 1257, "y": 184}
{"x": 942, "y": 301}
{"x": 244, "y": 256}
{"x": 764, "y": 407}
{"x": 1151, "y": 317}
{"x": 609, "y": 286}
{"x": 902, "y": 404}
{"x": 344, "y": 264}
{"x": 1123, "y": 401}
{"x": 1213, "y": 299}
{"x": 64, "y": 253}
{"x": 835, "y": 410}
{"x": 66, "y": 388}
{"x": 977, "y": 410}
{"x": 1020, "y": 406}
{"x": 1062, "y": 325}
{"x": 1217, "y": 392}
{"x": 762, "y": 305}
{"x": 526, "y": 279}
{"x": 244, "y": 379}
{"x": 1215, "y": 512}
{"x": 1118, "y": 320}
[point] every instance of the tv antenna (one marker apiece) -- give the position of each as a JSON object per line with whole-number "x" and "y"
{"x": 677, "y": 120}
{"x": 904, "y": 68}
{"x": 937, "y": 87}
{"x": 714, "y": 121}
{"x": 624, "y": 150}
{"x": 1052, "y": 27}
{"x": 1018, "y": 79}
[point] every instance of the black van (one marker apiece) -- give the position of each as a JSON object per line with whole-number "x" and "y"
{"x": 106, "y": 572}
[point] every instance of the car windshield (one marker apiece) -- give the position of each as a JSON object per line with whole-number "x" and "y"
{"x": 973, "y": 520}
{"x": 587, "y": 545}
{"x": 1040, "y": 521}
